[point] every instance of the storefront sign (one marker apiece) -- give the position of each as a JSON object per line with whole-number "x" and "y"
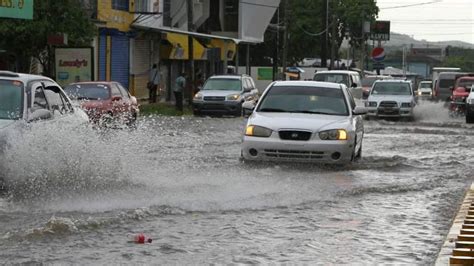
{"x": 22, "y": 9}
{"x": 74, "y": 65}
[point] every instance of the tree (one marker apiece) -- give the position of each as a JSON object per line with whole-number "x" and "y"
{"x": 28, "y": 38}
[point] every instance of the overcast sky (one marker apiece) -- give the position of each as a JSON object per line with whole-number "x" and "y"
{"x": 431, "y": 20}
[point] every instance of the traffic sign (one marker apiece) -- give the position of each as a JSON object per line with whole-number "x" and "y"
{"x": 378, "y": 54}
{"x": 380, "y": 30}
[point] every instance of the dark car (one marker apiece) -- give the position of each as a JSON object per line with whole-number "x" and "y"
{"x": 105, "y": 101}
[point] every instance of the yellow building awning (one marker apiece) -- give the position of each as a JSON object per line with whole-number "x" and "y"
{"x": 225, "y": 45}
{"x": 180, "y": 47}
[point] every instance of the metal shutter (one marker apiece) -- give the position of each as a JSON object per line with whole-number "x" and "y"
{"x": 102, "y": 56}
{"x": 119, "y": 66}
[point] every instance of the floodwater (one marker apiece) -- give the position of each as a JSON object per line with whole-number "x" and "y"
{"x": 79, "y": 195}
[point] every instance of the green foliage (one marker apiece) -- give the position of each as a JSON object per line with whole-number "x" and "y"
{"x": 306, "y": 28}
{"x": 28, "y": 38}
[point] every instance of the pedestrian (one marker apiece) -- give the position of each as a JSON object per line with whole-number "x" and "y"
{"x": 180, "y": 84}
{"x": 153, "y": 83}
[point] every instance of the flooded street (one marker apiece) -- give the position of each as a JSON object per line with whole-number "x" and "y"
{"x": 78, "y": 195}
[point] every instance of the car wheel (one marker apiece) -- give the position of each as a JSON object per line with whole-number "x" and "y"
{"x": 132, "y": 122}
{"x": 196, "y": 113}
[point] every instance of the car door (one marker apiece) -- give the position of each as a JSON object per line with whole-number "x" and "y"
{"x": 117, "y": 101}
{"x": 357, "y": 120}
{"x": 254, "y": 89}
{"x": 58, "y": 102}
{"x": 38, "y": 107}
{"x": 357, "y": 89}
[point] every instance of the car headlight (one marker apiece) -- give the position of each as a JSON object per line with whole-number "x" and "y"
{"x": 419, "y": 93}
{"x": 233, "y": 97}
{"x": 334, "y": 134}
{"x": 258, "y": 131}
{"x": 370, "y": 104}
{"x": 198, "y": 96}
{"x": 406, "y": 105}
{"x": 470, "y": 101}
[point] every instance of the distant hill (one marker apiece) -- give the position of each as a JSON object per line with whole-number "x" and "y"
{"x": 399, "y": 40}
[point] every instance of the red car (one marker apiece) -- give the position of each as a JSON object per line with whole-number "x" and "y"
{"x": 460, "y": 91}
{"x": 105, "y": 101}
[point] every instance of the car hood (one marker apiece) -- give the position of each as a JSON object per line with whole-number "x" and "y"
{"x": 397, "y": 98}
{"x": 91, "y": 104}
{"x": 424, "y": 89}
{"x": 4, "y": 123}
{"x": 218, "y": 93}
{"x": 313, "y": 122}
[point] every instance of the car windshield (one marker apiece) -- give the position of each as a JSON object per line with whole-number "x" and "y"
{"x": 88, "y": 91}
{"x": 386, "y": 88}
{"x": 425, "y": 85}
{"x": 466, "y": 83}
{"x": 303, "y": 99}
{"x": 333, "y": 77}
{"x": 446, "y": 82}
{"x": 11, "y": 99}
{"x": 223, "y": 84}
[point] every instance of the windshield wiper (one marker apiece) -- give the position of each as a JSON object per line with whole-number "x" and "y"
{"x": 271, "y": 110}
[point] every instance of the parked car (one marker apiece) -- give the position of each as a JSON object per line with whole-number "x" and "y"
{"x": 470, "y": 106}
{"x": 391, "y": 98}
{"x": 460, "y": 91}
{"x": 368, "y": 81}
{"x": 224, "y": 94}
{"x": 305, "y": 121}
{"x": 105, "y": 101}
{"x": 349, "y": 78}
{"x": 425, "y": 90}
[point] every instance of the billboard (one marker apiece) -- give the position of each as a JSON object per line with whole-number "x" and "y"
{"x": 74, "y": 65}
{"x": 22, "y": 9}
{"x": 380, "y": 30}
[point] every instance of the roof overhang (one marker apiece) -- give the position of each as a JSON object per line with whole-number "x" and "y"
{"x": 194, "y": 34}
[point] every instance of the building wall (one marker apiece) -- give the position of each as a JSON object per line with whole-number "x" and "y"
{"x": 116, "y": 19}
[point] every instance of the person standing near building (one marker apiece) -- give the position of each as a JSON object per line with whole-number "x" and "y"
{"x": 153, "y": 83}
{"x": 180, "y": 84}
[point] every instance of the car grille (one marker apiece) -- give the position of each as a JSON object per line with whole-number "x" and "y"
{"x": 294, "y": 154}
{"x": 425, "y": 93}
{"x": 388, "y": 104}
{"x": 214, "y": 98}
{"x": 294, "y": 135}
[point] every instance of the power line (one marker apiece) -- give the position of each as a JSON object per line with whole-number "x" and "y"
{"x": 411, "y": 5}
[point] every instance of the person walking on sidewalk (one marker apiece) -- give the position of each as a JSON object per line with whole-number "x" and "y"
{"x": 153, "y": 83}
{"x": 180, "y": 84}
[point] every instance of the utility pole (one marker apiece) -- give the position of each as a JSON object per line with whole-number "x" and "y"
{"x": 324, "y": 43}
{"x": 189, "y": 5}
{"x": 285, "y": 39}
{"x": 333, "y": 41}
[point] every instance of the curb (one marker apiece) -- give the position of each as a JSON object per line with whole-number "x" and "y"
{"x": 458, "y": 248}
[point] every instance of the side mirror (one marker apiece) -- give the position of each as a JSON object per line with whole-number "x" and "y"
{"x": 247, "y": 108}
{"x": 354, "y": 85}
{"x": 40, "y": 114}
{"x": 451, "y": 88}
{"x": 359, "y": 110}
{"x": 247, "y": 89}
{"x": 116, "y": 98}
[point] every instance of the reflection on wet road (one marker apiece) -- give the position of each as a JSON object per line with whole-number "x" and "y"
{"x": 79, "y": 194}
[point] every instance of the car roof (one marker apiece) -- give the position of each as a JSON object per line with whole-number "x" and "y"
{"x": 308, "y": 83}
{"x": 337, "y": 72}
{"x": 93, "y": 82}
{"x": 8, "y": 75}
{"x": 236, "y": 76}
{"x": 426, "y": 81}
{"x": 392, "y": 81}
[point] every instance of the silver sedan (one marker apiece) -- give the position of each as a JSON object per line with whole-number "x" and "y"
{"x": 304, "y": 121}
